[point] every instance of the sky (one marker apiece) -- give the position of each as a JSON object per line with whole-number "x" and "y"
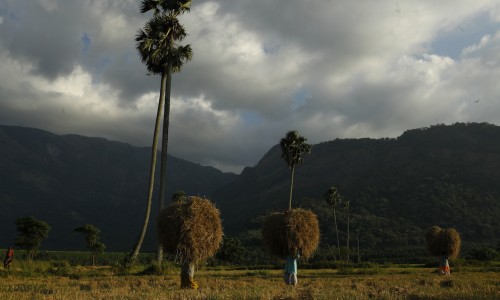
{"x": 326, "y": 68}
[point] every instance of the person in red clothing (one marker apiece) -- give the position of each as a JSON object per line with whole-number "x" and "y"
{"x": 9, "y": 256}
{"x": 444, "y": 266}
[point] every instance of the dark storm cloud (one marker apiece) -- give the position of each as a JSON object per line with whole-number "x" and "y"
{"x": 96, "y": 35}
{"x": 33, "y": 34}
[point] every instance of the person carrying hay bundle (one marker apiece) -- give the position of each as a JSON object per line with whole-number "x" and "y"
{"x": 290, "y": 235}
{"x": 190, "y": 229}
{"x": 444, "y": 266}
{"x": 290, "y": 272}
{"x": 445, "y": 244}
{"x": 9, "y": 256}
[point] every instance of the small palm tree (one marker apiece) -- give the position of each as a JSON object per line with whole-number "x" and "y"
{"x": 156, "y": 43}
{"x": 293, "y": 147}
{"x": 333, "y": 199}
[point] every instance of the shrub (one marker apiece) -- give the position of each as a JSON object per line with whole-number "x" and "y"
{"x": 484, "y": 254}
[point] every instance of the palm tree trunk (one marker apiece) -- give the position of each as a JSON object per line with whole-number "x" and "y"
{"x": 132, "y": 257}
{"x": 348, "y": 234}
{"x": 164, "y": 152}
{"x": 291, "y": 189}
{"x": 337, "y": 231}
{"x": 359, "y": 258}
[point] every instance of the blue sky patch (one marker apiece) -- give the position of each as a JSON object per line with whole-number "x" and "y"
{"x": 451, "y": 43}
{"x": 300, "y": 98}
{"x": 250, "y": 117}
{"x": 85, "y": 42}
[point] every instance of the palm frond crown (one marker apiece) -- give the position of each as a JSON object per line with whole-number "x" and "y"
{"x": 332, "y": 197}
{"x": 158, "y": 6}
{"x": 294, "y": 147}
{"x": 157, "y": 44}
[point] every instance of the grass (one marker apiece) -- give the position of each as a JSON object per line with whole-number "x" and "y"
{"x": 50, "y": 280}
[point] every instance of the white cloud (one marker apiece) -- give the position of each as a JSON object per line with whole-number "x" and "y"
{"x": 476, "y": 47}
{"x": 495, "y": 12}
{"x": 227, "y": 50}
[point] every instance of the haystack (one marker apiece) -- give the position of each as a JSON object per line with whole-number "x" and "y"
{"x": 190, "y": 229}
{"x": 290, "y": 233}
{"x": 450, "y": 242}
{"x": 443, "y": 242}
{"x": 431, "y": 237}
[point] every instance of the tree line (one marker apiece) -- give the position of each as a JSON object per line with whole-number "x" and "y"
{"x": 31, "y": 232}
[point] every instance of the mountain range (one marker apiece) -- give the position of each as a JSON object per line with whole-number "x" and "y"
{"x": 396, "y": 187}
{"x": 445, "y": 175}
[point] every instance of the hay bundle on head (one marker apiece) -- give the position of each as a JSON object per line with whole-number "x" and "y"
{"x": 290, "y": 233}
{"x": 274, "y": 234}
{"x": 443, "y": 242}
{"x": 191, "y": 229}
{"x": 431, "y": 237}
{"x": 450, "y": 242}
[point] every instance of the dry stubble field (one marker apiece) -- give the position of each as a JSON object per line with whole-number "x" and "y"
{"x": 400, "y": 282}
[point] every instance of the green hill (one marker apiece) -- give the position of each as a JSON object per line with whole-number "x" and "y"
{"x": 397, "y": 188}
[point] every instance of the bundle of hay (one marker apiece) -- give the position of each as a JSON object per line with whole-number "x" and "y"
{"x": 431, "y": 237}
{"x": 191, "y": 229}
{"x": 290, "y": 233}
{"x": 443, "y": 242}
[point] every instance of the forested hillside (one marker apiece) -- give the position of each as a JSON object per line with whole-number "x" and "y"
{"x": 397, "y": 188}
{"x": 71, "y": 180}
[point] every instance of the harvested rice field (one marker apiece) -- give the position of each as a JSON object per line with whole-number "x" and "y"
{"x": 399, "y": 282}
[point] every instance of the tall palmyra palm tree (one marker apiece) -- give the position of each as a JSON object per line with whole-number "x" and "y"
{"x": 333, "y": 199}
{"x": 293, "y": 148}
{"x": 159, "y": 51}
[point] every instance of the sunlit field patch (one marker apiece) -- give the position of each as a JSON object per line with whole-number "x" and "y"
{"x": 394, "y": 282}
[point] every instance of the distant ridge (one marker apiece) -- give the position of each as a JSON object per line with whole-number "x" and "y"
{"x": 70, "y": 180}
{"x": 441, "y": 175}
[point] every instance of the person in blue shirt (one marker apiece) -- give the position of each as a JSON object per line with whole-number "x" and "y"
{"x": 290, "y": 274}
